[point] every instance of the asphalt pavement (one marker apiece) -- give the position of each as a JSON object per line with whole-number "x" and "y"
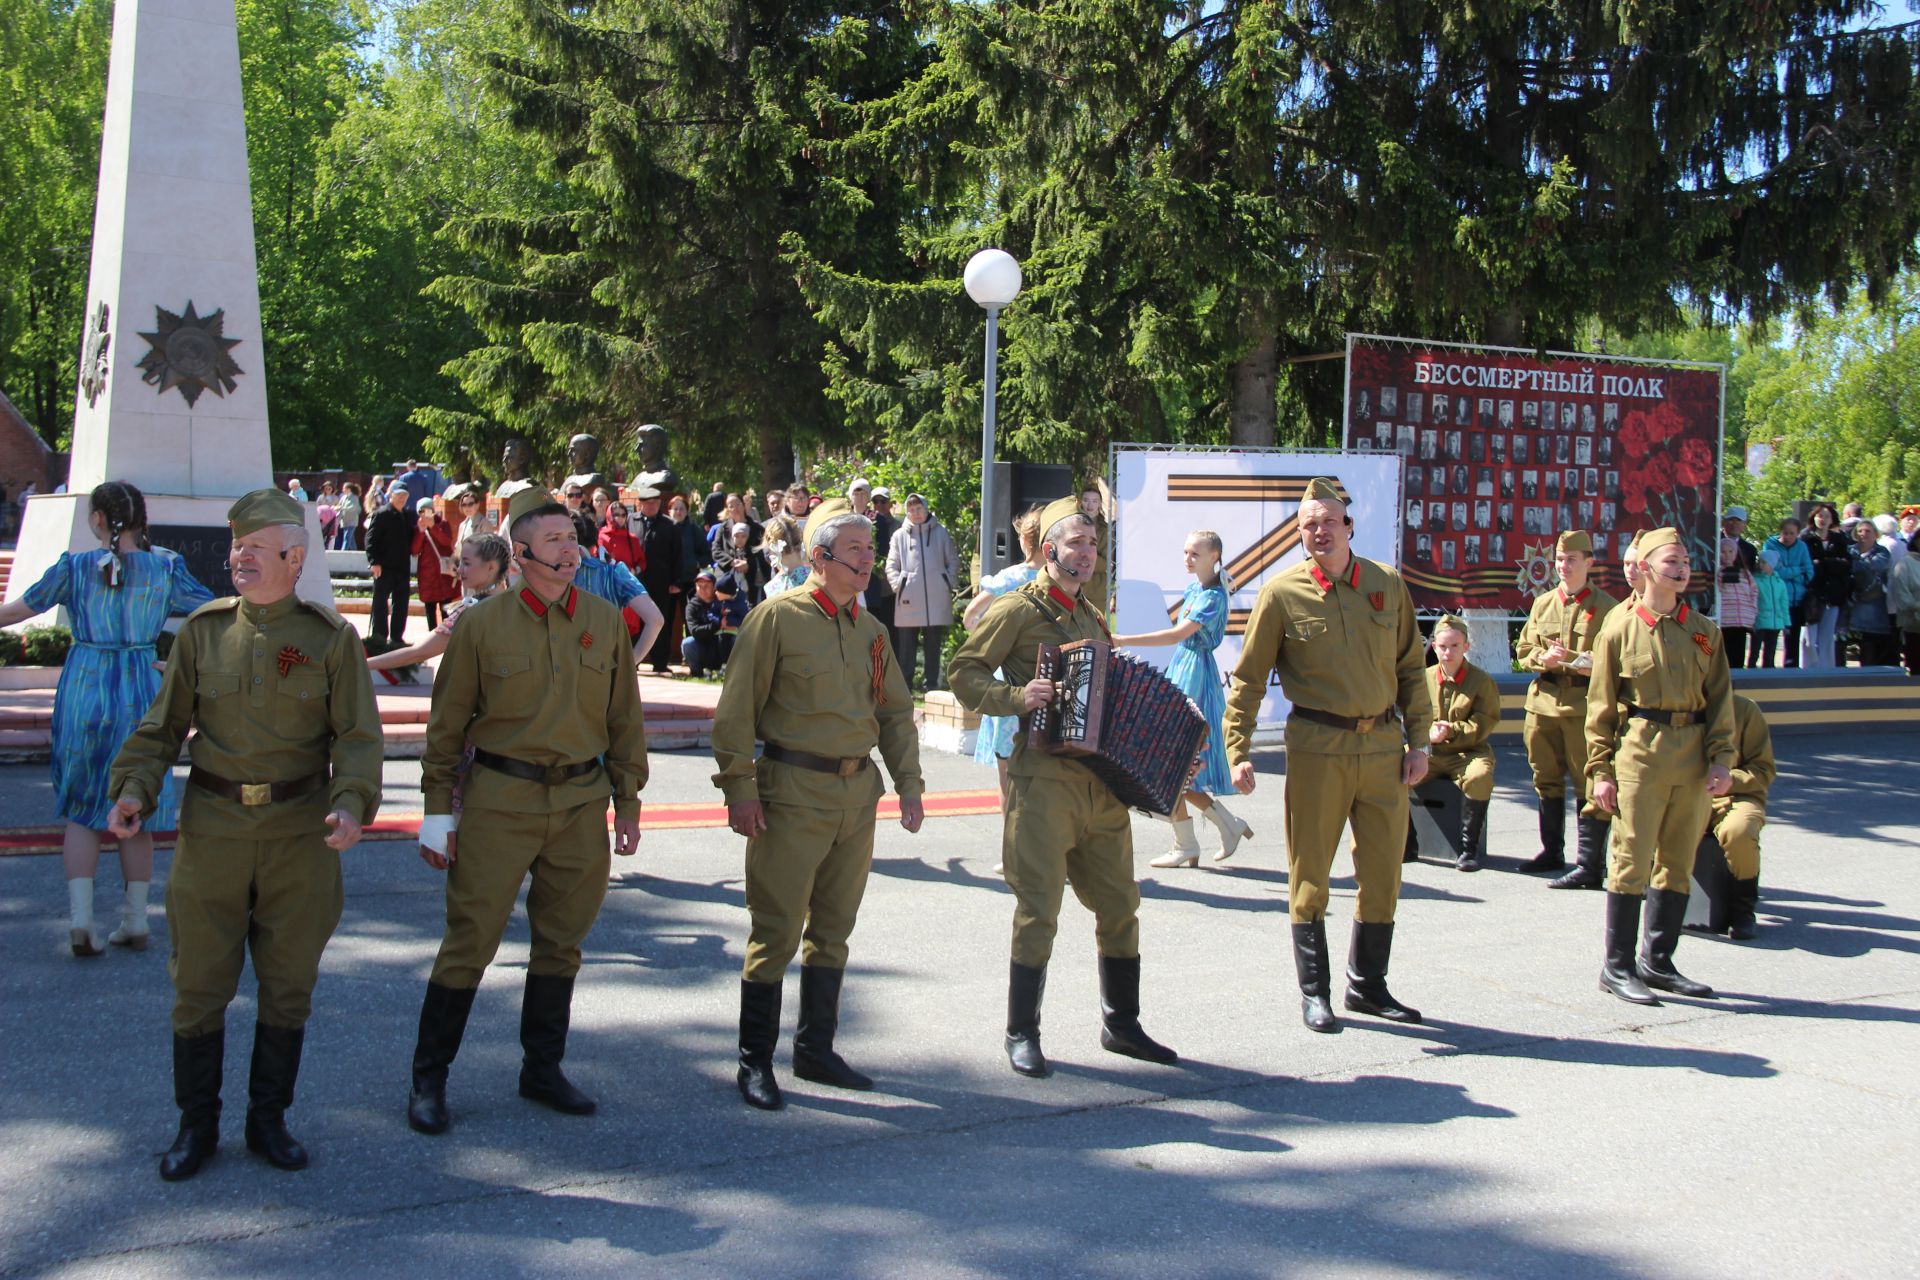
{"x": 1533, "y": 1126}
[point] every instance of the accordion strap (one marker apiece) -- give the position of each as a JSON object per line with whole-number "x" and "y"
{"x": 1057, "y": 617}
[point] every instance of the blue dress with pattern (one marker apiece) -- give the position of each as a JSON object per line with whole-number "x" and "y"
{"x": 108, "y": 680}
{"x": 994, "y": 739}
{"x": 1194, "y": 670}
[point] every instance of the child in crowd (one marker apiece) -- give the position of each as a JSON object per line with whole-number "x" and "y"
{"x": 1772, "y": 613}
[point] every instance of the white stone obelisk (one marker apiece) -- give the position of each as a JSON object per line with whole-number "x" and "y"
{"x": 173, "y": 387}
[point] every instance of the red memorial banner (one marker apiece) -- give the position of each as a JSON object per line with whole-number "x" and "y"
{"x": 1505, "y": 449}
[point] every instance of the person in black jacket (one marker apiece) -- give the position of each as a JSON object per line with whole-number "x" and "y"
{"x": 1832, "y": 586}
{"x": 389, "y": 548}
{"x": 660, "y": 539}
{"x": 705, "y": 647}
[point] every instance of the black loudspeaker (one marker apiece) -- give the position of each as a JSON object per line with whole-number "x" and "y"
{"x": 1017, "y": 486}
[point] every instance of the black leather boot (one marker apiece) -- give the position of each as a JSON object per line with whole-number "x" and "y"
{"x": 813, "y": 1055}
{"x": 1026, "y": 986}
{"x": 276, "y": 1065}
{"x": 546, "y": 1010}
{"x": 1746, "y": 900}
{"x": 1473, "y": 826}
{"x": 1412, "y": 853}
{"x": 1120, "y": 1030}
{"x": 1590, "y": 856}
{"x": 759, "y": 1032}
{"x": 1665, "y": 911}
{"x": 1316, "y": 981}
{"x": 443, "y": 1022}
{"x": 1618, "y": 972}
{"x": 1367, "y": 974}
{"x": 1553, "y": 836}
{"x": 197, "y": 1063}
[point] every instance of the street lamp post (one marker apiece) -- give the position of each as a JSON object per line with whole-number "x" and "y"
{"x": 992, "y": 279}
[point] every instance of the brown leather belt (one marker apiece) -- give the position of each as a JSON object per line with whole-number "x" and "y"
{"x": 1672, "y": 719}
{"x": 1564, "y": 677}
{"x": 552, "y": 775}
{"x": 1355, "y": 724}
{"x": 844, "y": 768}
{"x": 255, "y": 793}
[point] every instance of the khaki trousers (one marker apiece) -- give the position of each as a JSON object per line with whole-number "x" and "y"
{"x": 806, "y": 875}
{"x": 1736, "y": 825}
{"x": 1069, "y": 830}
{"x": 1473, "y": 774}
{"x": 1326, "y": 793}
{"x": 1557, "y": 750}
{"x": 1661, "y": 772}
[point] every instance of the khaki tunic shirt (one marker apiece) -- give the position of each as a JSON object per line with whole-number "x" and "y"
{"x": 1753, "y": 766}
{"x": 1557, "y": 619}
{"x": 1008, "y": 639}
{"x": 1469, "y": 705}
{"x": 1348, "y": 646}
{"x": 801, "y": 676}
{"x": 273, "y": 693}
{"x": 548, "y": 684}
{"x": 1663, "y": 662}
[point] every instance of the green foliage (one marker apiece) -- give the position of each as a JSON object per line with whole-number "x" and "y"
{"x": 952, "y": 493}
{"x": 35, "y": 647}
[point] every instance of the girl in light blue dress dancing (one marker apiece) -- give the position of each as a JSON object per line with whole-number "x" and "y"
{"x": 1198, "y": 628}
{"x": 118, "y": 597}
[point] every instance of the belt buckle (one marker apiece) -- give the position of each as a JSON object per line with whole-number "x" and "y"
{"x": 1365, "y": 724}
{"x": 256, "y": 793}
{"x": 557, "y": 775}
{"x": 850, "y": 767}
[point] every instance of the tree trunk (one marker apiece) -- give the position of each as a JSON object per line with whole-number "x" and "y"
{"x": 1251, "y": 404}
{"x": 776, "y": 458}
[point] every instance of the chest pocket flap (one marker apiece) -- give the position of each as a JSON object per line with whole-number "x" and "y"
{"x": 214, "y": 684}
{"x": 306, "y": 686}
{"x": 599, "y": 658}
{"x": 505, "y": 662}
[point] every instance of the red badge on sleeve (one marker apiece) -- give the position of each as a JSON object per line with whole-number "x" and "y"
{"x": 291, "y": 657}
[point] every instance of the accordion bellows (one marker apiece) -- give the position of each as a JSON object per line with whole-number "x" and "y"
{"x": 1122, "y": 719}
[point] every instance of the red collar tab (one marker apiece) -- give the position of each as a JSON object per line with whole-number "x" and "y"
{"x": 1451, "y": 679}
{"x": 1680, "y": 614}
{"x": 1652, "y": 619}
{"x": 539, "y": 606}
{"x": 832, "y": 610}
{"x": 1566, "y": 599}
{"x": 1061, "y": 598}
{"x": 1352, "y": 576}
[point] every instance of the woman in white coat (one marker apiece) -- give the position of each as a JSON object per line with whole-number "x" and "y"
{"x": 923, "y": 570}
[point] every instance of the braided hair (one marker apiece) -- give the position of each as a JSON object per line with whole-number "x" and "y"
{"x": 124, "y": 508}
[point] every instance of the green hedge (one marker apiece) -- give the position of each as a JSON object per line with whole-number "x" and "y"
{"x": 35, "y": 647}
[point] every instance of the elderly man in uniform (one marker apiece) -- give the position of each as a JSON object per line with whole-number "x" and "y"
{"x": 1466, "y": 709}
{"x": 1063, "y": 824}
{"x": 540, "y": 682}
{"x": 286, "y": 751}
{"x": 1660, "y": 750}
{"x": 1739, "y": 815}
{"x": 1340, "y": 632}
{"x": 810, "y": 667}
{"x": 1556, "y": 643}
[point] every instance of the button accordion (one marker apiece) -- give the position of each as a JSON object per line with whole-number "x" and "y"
{"x": 1122, "y": 719}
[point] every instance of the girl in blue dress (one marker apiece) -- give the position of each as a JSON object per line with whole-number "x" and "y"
{"x": 117, "y": 598}
{"x": 1198, "y": 628}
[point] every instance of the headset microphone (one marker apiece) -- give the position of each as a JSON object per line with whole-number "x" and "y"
{"x": 562, "y": 567}
{"x": 1053, "y": 555}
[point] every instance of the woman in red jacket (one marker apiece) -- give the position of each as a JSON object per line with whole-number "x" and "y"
{"x": 433, "y": 551}
{"x": 617, "y": 540}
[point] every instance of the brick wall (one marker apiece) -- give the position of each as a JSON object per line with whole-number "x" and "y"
{"x": 24, "y": 458}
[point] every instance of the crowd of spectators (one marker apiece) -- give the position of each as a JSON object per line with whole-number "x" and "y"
{"x": 1818, "y": 591}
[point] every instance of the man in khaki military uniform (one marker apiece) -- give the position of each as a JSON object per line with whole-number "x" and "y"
{"x": 1739, "y": 815}
{"x": 286, "y": 752}
{"x": 1557, "y": 644}
{"x": 540, "y": 682}
{"x": 1466, "y": 708}
{"x": 813, "y": 677}
{"x": 1660, "y": 746}
{"x": 1340, "y": 632}
{"x": 1063, "y": 824}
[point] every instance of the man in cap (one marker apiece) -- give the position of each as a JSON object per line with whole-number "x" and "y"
{"x": 1466, "y": 709}
{"x": 286, "y": 751}
{"x": 1340, "y": 632}
{"x": 1739, "y": 815}
{"x": 1556, "y": 644}
{"x": 810, "y": 667}
{"x": 1063, "y": 824}
{"x": 705, "y": 647}
{"x": 539, "y": 681}
{"x": 608, "y": 579}
{"x": 880, "y": 598}
{"x": 660, "y": 541}
{"x": 1660, "y": 750}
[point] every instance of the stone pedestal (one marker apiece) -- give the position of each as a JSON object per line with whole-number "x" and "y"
{"x": 173, "y": 389}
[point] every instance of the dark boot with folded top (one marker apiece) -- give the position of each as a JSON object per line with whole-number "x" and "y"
{"x": 443, "y": 1023}
{"x": 1590, "y": 857}
{"x": 813, "y": 1055}
{"x": 1367, "y": 974}
{"x": 1666, "y": 910}
{"x": 1741, "y": 923}
{"x": 1120, "y": 1030}
{"x": 197, "y": 1065}
{"x": 1026, "y": 986}
{"x": 276, "y": 1066}
{"x": 1618, "y": 972}
{"x": 1473, "y": 826}
{"x": 1553, "y": 837}
{"x": 759, "y": 1033}
{"x": 1315, "y": 971}
{"x": 546, "y": 1010}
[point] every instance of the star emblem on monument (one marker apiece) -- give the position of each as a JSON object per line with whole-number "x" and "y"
{"x": 189, "y": 352}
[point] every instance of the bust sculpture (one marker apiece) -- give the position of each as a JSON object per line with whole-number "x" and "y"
{"x": 654, "y": 471}
{"x": 583, "y": 455}
{"x": 516, "y": 462}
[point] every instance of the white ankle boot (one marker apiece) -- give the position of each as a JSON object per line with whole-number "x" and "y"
{"x": 132, "y": 932}
{"x": 1186, "y": 846}
{"x": 80, "y": 917}
{"x": 1232, "y": 829}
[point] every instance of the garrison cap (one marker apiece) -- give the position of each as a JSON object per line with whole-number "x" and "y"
{"x": 1654, "y": 539}
{"x": 1321, "y": 489}
{"x": 827, "y": 510}
{"x": 1452, "y": 622}
{"x": 1056, "y": 511}
{"x": 527, "y": 500}
{"x": 1574, "y": 540}
{"x": 252, "y": 512}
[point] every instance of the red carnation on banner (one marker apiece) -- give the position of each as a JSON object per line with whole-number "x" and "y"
{"x": 1695, "y": 464}
{"x": 1643, "y": 430}
{"x": 1652, "y": 477}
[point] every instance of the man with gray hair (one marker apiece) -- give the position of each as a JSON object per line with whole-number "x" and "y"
{"x": 810, "y": 667}
{"x": 285, "y": 752}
